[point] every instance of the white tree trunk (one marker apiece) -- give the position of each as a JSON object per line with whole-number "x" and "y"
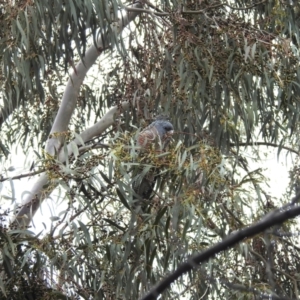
{"x": 54, "y": 145}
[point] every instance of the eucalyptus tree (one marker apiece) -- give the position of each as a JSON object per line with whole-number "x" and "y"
{"x": 227, "y": 76}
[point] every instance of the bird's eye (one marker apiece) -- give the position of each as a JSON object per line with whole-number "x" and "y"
{"x": 168, "y": 127}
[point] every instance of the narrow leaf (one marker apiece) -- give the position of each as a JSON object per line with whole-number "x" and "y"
{"x": 122, "y": 199}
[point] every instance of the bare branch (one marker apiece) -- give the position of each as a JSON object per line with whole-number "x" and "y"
{"x": 266, "y": 144}
{"x": 275, "y": 217}
{"x": 223, "y": 4}
{"x": 161, "y": 14}
{"x": 75, "y": 81}
{"x": 22, "y": 175}
{"x": 38, "y": 193}
{"x": 97, "y": 129}
{"x": 245, "y": 8}
{"x": 240, "y": 287}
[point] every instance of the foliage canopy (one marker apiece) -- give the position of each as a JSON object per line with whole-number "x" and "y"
{"x": 227, "y": 75}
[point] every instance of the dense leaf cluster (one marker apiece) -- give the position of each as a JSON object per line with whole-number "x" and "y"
{"x": 225, "y": 73}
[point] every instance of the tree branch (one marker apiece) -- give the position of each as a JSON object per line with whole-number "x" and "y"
{"x": 29, "y": 174}
{"x": 275, "y": 217}
{"x": 244, "y": 8}
{"x": 240, "y": 287}
{"x": 38, "y": 192}
{"x": 265, "y": 144}
{"x": 75, "y": 81}
{"x": 97, "y": 129}
{"x": 163, "y": 14}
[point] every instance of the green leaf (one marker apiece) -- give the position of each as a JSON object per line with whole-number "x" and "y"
{"x": 123, "y": 199}
{"x": 86, "y": 233}
{"x": 108, "y": 252}
{"x": 7, "y": 265}
{"x": 159, "y": 215}
{"x": 166, "y": 258}
{"x": 74, "y": 149}
{"x": 25, "y": 257}
{"x": 2, "y": 287}
{"x": 24, "y": 38}
{"x": 79, "y": 138}
{"x": 113, "y": 224}
{"x": 106, "y": 179}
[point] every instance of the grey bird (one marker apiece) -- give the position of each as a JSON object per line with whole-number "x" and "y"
{"x": 159, "y": 134}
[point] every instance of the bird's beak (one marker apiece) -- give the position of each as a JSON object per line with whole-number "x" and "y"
{"x": 169, "y": 133}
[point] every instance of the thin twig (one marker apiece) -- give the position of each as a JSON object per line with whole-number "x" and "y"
{"x": 161, "y": 14}
{"x": 265, "y": 144}
{"x": 240, "y": 287}
{"x": 94, "y": 146}
{"x": 81, "y": 149}
{"x": 22, "y": 175}
{"x": 220, "y": 5}
{"x": 244, "y": 8}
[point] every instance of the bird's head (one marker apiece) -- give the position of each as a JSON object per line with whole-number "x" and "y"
{"x": 159, "y": 132}
{"x": 164, "y": 128}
